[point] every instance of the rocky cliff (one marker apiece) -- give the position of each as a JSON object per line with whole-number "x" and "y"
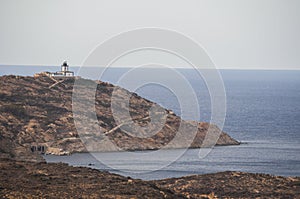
{"x": 37, "y": 112}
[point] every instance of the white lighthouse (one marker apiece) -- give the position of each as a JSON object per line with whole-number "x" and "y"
{"x": 64, "y": 72}
{"x": 65, "y": 67}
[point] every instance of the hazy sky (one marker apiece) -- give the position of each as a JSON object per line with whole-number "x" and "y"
{"x": 235, "y": 33}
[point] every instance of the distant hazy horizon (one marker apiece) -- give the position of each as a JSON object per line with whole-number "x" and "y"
{"x": 250, "y": 34}
{"x": 176, "y": 67}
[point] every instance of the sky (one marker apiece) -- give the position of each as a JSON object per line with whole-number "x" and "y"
{"x": 244, "y": 34}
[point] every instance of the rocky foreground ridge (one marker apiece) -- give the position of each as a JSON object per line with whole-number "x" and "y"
{"x": 37, "y": 112}
{"x": 57, "y": 180}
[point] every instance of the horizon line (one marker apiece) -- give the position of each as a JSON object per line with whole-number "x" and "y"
{"x": 217, "y": 68}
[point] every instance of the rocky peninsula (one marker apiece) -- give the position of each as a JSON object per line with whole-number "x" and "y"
{"x": 36, "y": 115}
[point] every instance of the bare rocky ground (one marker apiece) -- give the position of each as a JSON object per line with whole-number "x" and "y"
{"x": 58, "y": 180}
{"x": 234, "y": 185}
{"x": 38, "y": 111}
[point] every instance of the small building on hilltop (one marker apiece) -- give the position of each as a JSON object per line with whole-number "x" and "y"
{"x": 64, "y": 72}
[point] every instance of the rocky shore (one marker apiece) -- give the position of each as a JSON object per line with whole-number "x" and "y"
{"x": 36, "y": 116}
{"x": 58, "y": 180}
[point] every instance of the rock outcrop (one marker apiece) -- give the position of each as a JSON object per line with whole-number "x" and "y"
{"x": 37, "y": 111}
{"x": 230, "y": 184}
{"x": 57, "y": 180}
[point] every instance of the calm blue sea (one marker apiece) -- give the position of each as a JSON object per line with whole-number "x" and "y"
{"x": 263, "y": 112}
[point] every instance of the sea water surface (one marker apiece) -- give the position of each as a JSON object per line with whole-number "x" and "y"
{"x": 263, "y": 112}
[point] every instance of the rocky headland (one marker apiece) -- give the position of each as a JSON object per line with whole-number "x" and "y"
{"x": 36, "y": 115}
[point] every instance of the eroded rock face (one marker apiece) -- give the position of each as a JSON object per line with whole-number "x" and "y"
{"x": 34, "y": 112}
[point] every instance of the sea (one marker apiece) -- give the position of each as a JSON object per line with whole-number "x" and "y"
{"x": 262, "y": 112}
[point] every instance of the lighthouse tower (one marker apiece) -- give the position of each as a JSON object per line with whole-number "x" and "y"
{"x": 65, "y": 68}
{"x": 64, "y": 72}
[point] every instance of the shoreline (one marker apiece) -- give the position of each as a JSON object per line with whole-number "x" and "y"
{"x": 105, "y": 161}
{"x": 156, "y": 149}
